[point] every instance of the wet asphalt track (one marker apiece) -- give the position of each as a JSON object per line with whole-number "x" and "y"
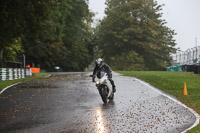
{"x": 69, "y": 102}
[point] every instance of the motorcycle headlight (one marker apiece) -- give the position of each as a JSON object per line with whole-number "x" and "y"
{"x": 97, "y": 82}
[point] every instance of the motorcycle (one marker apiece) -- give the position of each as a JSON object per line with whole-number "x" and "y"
{"x": 104, "y": 86}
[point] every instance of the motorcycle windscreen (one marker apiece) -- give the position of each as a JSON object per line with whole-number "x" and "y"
{"x": 100, "y": 74}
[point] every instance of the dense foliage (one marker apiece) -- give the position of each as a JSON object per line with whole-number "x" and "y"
{"x": 67, "y": 40}
{"x": 134, "y": 37}
{"x": 52, "y": 32}
{"x": 19, "y": 18}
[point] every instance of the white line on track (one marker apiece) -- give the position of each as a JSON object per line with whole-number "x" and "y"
{"x": 18, "y": 83}
{"x": 8, "y": 87}
{"x": 191, "y": 110}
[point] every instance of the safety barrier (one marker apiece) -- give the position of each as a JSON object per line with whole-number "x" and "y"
{"x": 186, "y": 61}
{"x": 14, "y": 73}
{"x": 35, "y": 70}
{"x": 189, "y": 57}
{"x": 175, "y": 68}
{"x": 185, "y": 68}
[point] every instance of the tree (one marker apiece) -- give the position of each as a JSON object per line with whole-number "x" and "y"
{"x": 67, "y": 40}
{"x": 21, "y": 17}
{"x": 53, "y": 32}
{"x": 13, "y": 52}
{"x": 136, "y": 26}
{"x": 127, "y": 61}
{"x": 79, "y": 36}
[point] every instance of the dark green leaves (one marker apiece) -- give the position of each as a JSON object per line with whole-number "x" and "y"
{"x": 53, "y": 32}
{"x": 135, "y": 26}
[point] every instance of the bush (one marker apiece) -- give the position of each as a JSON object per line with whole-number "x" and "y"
{"x": 127, "y": 61}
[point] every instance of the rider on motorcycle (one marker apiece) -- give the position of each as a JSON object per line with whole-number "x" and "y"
{"x": 100, "y": 66}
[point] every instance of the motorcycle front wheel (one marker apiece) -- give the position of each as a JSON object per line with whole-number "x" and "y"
{"x": 104, "y": 95}
{"x": 111, "y": 97}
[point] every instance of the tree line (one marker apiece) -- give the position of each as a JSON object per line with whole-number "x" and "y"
{"x": 132, "y": 35}
{"x": 49, "y": 32}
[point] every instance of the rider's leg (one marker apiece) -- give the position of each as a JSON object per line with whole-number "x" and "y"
{"x": 113, "y": 85}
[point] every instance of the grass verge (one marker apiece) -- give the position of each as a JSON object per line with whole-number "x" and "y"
{"x": 4, "y": 84}
{"x": 173, "y": 83}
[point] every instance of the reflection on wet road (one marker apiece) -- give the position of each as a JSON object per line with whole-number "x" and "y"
{"x": 69, "y": 102}
{"x": 100, "y": 122}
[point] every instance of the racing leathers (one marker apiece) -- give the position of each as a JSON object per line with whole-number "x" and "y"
{"x": 104, "y": 67}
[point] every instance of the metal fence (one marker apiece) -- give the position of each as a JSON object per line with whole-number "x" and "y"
{"x": 188, "y": 57}
{"x": 187, "y": 61}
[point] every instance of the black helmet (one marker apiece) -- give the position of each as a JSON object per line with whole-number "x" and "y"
{"x": 99, "y": 62}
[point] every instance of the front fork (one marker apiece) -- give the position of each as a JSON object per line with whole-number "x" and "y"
{"x": 109, "y": 85}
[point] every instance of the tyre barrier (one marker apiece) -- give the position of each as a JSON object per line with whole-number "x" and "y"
{"x": 14, "y": 73}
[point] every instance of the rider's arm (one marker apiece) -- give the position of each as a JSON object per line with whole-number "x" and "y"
{"x": 95, "y": 71}
{"x": 109, "y": 70}
{"x": 94, "y": 74}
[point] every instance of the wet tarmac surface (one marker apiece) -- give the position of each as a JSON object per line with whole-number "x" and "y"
{"x": 69, "y": 102}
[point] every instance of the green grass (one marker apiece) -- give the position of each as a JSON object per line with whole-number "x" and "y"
{"x": 4, "y": 84}
{"x": 173, "y": 83}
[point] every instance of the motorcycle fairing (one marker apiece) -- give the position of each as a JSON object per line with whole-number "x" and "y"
{"x": 103, "y": 79}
